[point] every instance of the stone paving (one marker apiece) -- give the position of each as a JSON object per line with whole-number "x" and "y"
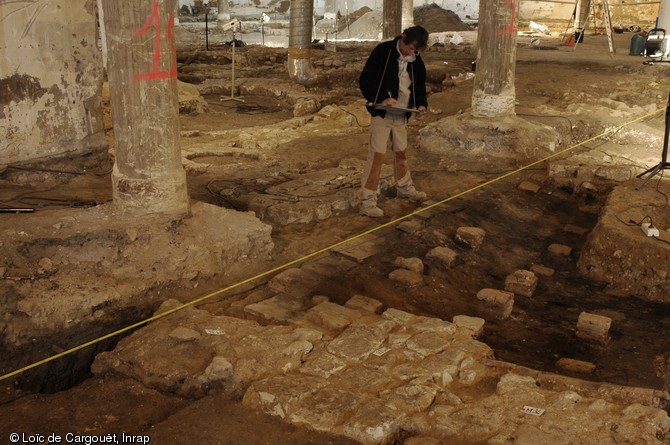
{"x": 376, "y": 376}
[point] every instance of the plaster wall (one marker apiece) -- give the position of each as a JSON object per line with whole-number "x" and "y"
{"x": 50, "y": 79}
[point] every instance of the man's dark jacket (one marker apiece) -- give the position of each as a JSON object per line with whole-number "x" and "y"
{"x": 380, "y": 76}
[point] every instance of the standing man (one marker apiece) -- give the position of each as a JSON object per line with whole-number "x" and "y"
{"x": 395, "y": 76}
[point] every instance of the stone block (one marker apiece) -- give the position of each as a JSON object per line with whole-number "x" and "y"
{"x": 325, "y": 410}
{"x": 563, "y": 170}
{"x": 593, "y": 209}
{"x": 414, "y": 264}
{"x": 355, "y": 343}
{"x": 183, "y": 334}
{"x": 220, "y": 369}
{"x": 542, "y": 271}
{"x": 529, "y": 187}
{"x": 332, "y": 316}
{"x": 318, "y": 299}
{"x": 281, "y": 308}
{"x": 412, "y": 398}
{"x": 294, "y": 281}
{"x": 427, "y": 343}
{"x": 360, "y": 248}
{"x": 374, "y": 423}
{"x": 411, "y": 226}
{"x": 619, "y": 173}
{"x": 496, "y": 303}
{"x": 440, "y": 237}
{"x": 521, "y": 282}
{"x": 406, "y": 277}
{"x": 576, "y": 366}
{"x": 435, "y": 325}
{"x": 444, "y": 256}
{"x": 364, "y": 304}
{"x": 322, "y": 364}
{"x": 474, "y": 326}
{"x": 329, "y": 265}
{"x": 426, "y": 214}
{"x": 472, "y": 237}
{"x": 592, "y": 327}
{"x": 560, "y": 249}
{"x": 571, "y": 228}
{"x": 279, "y": 395}
{"x": 399, "y": 317}
{"x": 236, "y": 308}
{"x": 586, "y": 172}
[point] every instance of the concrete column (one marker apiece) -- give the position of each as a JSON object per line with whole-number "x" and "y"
{"x": 581, "y": 18}
{"x": 148, "y": 175}
{"x": 493, "y": 93}
{"x": 664, "y": 15}
{"x": 407, "y": 14}
{"x": 392, "y": 19}
{"x": 300, "y": 68}
{"x": 330, "y": 9}
{"x": 224, "y": 14}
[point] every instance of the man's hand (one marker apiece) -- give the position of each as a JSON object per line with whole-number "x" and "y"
{"x": 389, "y": 101}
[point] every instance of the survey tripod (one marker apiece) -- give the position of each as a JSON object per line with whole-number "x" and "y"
{"x": 584, "y": 21}
{"x": 664, "y": 154}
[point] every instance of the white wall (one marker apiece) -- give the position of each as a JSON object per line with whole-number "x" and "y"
{"x": 50, "y": 79}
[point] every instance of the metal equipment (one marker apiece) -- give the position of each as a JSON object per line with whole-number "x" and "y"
{"x": 657, "y": 47}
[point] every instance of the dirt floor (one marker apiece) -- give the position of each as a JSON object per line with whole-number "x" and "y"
{"x": 521, "y": 224}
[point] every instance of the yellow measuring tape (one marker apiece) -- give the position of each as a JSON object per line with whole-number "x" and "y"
{"x": 320, "y": 251}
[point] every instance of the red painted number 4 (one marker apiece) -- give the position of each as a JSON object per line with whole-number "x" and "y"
{"x": 155, "y": 73}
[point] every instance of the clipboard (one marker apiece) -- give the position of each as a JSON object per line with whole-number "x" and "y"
{"x": 392, "y": 108}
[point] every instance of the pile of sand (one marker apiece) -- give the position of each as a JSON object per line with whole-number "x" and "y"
{"x": 367, "y": 24}
{"x": 436, "y": 19}
{"x": 367, "y": 27}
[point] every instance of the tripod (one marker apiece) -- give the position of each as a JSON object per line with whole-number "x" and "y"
{"x": 584, "y": 20}
{"x": 664, "y": 155}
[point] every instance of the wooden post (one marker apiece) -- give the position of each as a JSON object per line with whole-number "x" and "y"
{"x": 148, "y": 175}
{"x": 494, "y": 93}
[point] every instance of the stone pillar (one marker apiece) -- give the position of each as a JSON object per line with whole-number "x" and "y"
{"x": 664, "y": 15}
{"x": 581, "y": 18}
{"x": 223, "y": 15}
{"x": 392, "y": 19}
{"x": 493, "y": 93}
{"x": 148, "y": 175}
{"x": 407, "y": 14}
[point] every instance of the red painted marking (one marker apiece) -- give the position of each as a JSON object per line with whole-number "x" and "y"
{"x": 155, "y": 73}
{"x": 511, "y": 28}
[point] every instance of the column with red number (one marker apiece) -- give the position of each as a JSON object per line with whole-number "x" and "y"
{"x": 494, "y": 93}
{"x": 148, "y": 175}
